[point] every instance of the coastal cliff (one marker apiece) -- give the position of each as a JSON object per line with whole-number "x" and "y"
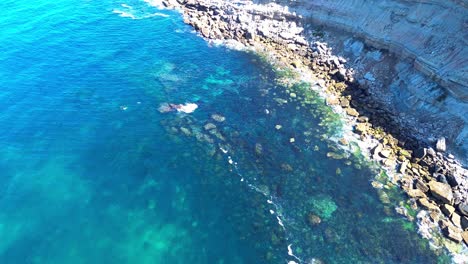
{"x": 427, "y": 81}
{"x": 430, "y": 32}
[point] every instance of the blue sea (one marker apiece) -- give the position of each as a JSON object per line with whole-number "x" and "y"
{"x": 92, "y": 172}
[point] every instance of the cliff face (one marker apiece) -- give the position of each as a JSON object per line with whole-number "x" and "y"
{"x": 432, "y": 32}
{"x": 428, "y": 82}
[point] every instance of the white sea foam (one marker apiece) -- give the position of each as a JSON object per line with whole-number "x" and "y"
{"x": 223, "y": 150}
{"x": 155, "y": 3}
{"x": 290, "y": 253}
{"x": 129, "y": 12}
{"x": 126, "y": 14}
{"x": 123, "y": 14}
{"x": 280, "y": 222}
{"x": 187, "y": 108}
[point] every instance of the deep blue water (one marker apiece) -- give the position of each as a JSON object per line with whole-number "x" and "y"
{"x": 92, "y": 172}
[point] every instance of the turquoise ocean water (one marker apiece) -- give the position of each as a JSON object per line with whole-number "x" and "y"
{"x": 92, "y": 172}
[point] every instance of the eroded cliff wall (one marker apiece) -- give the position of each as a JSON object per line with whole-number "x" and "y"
{"x": 429, "y": 81}
{"x": 432, "y": 32}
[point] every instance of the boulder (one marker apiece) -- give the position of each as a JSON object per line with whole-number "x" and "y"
{"x": 363, "y": 119}
{"x": 344, "y": 102}
{"x": 218, "y": 118}
{"x": 385, "y": 153}
{"x": 333, "y": 101}
{"x": 362, "y": 128}
{"x": 456, "y": 219}
{"x": 420, "y": 153}
{"x": 427, "y": 205}
{"x": 403, "y": 166}
{"x": 463, "y": 208}
{"x": 209, "y": 126}
{"x": 313, "y": 219}
{"x": 465, "y": 237}
{"x": 441, "y": 191}
{"x": 464, "y": 222}
{"x": 431, "y": 152}
{"x": 421, "y": 186}
{"x": 376, "y": 151}
{"x": 258, "y": 148}
{"x": 447, "y": 209}
{"x": 341, "y": 74}
{"x": 416, "y": 193}
{"x": 453, "y": 233}
{"x": 440, "y": 145}
{"x": 352, "y": 112}
{"x": 453, "y": 180}
{"x": 441, "y": 178}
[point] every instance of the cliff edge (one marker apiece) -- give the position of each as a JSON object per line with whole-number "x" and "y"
{"x": 433, "y": 33}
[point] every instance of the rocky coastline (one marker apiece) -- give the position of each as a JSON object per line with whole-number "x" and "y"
{"x": 435, "y": 182}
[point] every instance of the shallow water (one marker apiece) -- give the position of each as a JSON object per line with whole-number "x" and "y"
{"x": 91, "y": 172}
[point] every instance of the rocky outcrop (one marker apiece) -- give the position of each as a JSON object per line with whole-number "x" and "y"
{"x": 434, "y": 179}
{"x": 429, "y": 75}
{"x": 431, "y": 32}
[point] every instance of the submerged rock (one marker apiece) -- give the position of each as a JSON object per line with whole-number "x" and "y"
{"x": 323, "y": 206}
{"x": 209, "y": 126}
{"x": 313, "y": 219}
{"x": 218, "y": 118}
{"x": 258, "y": 148}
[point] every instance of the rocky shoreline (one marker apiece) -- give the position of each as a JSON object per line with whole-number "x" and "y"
{"x": 432, "y": 178}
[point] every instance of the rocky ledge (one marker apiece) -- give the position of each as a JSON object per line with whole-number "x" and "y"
{"x": 435, "y": 182}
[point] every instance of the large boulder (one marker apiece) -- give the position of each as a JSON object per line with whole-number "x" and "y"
{"x": 463, "y": 208}
{"x": 453, "y": 233}
{"x": 441, "y": 145}
{"x": 441, "y": 191}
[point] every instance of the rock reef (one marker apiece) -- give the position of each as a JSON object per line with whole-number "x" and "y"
{"x": 367, "y": 84}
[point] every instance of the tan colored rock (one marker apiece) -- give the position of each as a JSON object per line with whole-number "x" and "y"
{"x": 453, "y": 233}
{"x": 385, "y": 153}
{"x": 416, "y": 193}
{"x": 313, "y": 219}
{"x": 435, "y": 216}
{"x": 447, "y": 209}
{"x": 456, "y": 219}
{"x": 362, "y": 128}
{"x": 427, "y": 205}
{"x": 333, "y": 101}
{"x": 441, "y": 191}
{"x": 465, "y": 237}
{"x": 352, "y": 112}
{"x": 403, "y": 166}
{"x": 422, "y": 186}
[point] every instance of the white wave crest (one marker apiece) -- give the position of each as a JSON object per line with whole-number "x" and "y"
{"x": 125, "y": 14}
{"x": 129, "y": 12}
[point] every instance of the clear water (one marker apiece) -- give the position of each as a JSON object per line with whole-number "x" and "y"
{"x": 91, "y": 172}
